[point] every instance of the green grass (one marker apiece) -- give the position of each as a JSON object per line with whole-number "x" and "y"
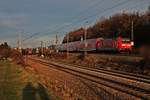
{"x": 17, "y": 84}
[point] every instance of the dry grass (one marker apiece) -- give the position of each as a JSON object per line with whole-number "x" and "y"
{"x": 18, "y": 84}
{"x": 112, "y": 62}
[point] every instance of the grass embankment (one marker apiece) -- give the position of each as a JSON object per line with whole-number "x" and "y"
{"x": 18, "y": 84}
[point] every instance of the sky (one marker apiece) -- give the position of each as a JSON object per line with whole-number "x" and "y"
{"x": 46, "y": 18}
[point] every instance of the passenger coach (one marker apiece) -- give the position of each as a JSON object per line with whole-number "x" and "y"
{"x": 98, "y": 44}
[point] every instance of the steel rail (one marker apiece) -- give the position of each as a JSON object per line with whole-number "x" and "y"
{"x": 137, "y": 77}
{"x": 128, "y": 86}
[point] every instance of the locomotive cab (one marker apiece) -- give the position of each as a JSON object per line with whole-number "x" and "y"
{"x": 124, "y": 44}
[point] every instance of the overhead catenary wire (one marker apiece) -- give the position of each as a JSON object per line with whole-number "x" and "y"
{"x": 81, "y": 20}
{"x": 78, "y": 15}
{"x": 85, "y": 19}
{"x": 91, "y": 16}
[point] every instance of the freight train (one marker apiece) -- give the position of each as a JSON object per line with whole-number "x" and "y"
{"x": 99, "y": 44}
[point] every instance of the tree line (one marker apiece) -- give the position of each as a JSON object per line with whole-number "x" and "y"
{"x": 117, "y": 25}
{"x": 5, "y": 50}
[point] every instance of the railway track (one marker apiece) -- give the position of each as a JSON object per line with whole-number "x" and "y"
{"x": 137, "y": 86}
{"x": 114, "y": 72}
{"x": 108, "y": 54}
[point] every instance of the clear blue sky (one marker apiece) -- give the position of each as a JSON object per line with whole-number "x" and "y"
{"x": 31, "y": 16}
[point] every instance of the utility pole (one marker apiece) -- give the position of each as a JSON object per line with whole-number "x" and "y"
{"x": 45, "y": 49}
{"x": 56, "y": 41}
{"x": 67, "y": 45}
{"x": 45, "y": 45}
{"x": 132, "y": 33}
{"x": 85, "y": 42}
{"x": 149, "y": 7}
{"x": 19, "y": 44}
{"x": 42, "y": 49}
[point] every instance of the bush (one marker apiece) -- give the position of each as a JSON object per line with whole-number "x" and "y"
{"x": 17, "y": 57}
{"x": 7, "y": 52}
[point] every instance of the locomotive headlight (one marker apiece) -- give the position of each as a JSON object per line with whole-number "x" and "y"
{"x": 123, "y": 45}
{"x": 129, "y": 45}
{"x": 132, "y": 43}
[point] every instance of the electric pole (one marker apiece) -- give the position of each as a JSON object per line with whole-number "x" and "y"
{"x": 85, "y": 42}
{"x": 19, "y": 44}
{"x": 149, "y": 7}
{"x": 132, "y": 33}
{"x": 67, "y": 45}
{"x": 56, "y": 41}
{"x": 42, "y": 48}
{"x": 45, "y": 45}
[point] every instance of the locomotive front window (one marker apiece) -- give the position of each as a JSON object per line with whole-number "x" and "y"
{"x": 126, "y": 41}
